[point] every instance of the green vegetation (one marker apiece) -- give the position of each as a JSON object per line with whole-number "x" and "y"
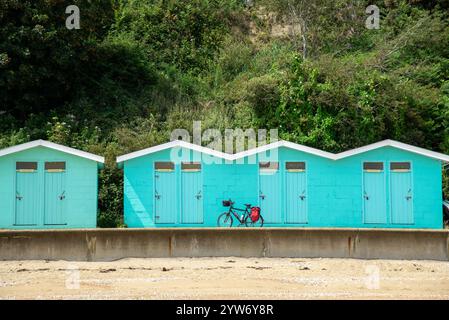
{"x": 136, "y": 70}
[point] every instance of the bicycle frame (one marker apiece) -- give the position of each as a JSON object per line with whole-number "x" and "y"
{"x": 233, "y": 211}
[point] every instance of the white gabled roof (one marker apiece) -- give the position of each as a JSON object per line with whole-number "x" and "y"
{"x": 219, "y": 154}
{"x": 397, "y": 145}
{"x": 51, "y": 145}
{"x": 287, "y": 144}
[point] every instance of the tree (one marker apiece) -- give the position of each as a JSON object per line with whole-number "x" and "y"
{"x": 321, "y": 23}
{"x": 41, "y": 61}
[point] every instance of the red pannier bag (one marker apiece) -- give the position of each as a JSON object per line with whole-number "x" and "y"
{"x": 255, "y": 214}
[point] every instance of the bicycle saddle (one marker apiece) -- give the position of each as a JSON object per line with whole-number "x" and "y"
{"x": 248, "y": 205}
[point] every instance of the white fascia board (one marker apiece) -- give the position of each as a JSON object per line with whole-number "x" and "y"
{"x": 257, "y": 150}
{"x": 310, "y": 150}
{"x": 421, "y": 151}
{"x": 285, "y": 144}
{"x": 174, "y": 144}
{"x": 206, "y": 150}
{"x": 51, "y": 145}
{"x": 222, "y": 155}
{"x": 146, "y": 151}
{"x": 363, "y": 149}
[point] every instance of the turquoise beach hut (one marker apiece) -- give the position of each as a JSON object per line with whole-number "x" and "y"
{"x": 45, "y": 185}
{"x": 387, "y": 184}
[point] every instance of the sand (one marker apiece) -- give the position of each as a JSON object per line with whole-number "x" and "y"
{"x": 225, "y": 278}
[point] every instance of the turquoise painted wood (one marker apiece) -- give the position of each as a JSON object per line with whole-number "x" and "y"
{"x": 166, "y": 197}
{"x": 27, "y": 198}
{"x": 401, "y": 197}
{"x": 296, "y": 197}
{"x": 334, "y": 193}
{"x": 375, "y": 197}
{"x": 39, "y": 209}
{"x": 55, "y": 198}
{"x": 192, "y": 197}
{"x": 270, "y": 196}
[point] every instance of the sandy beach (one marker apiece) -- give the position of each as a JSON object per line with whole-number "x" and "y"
{"x": 225, "y": 278}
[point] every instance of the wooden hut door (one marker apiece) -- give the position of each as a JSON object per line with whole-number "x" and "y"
{"x": 401, "y": 193}
{"x": 191, "y": 193}
{"x": 165, "y": 193}
{"x": 374, "y": 193}
{"x": 270, "y": 192}
{"x": 55, "y": 193}
{"x": 27, "y": 194}
{"x": 295, "y": 192}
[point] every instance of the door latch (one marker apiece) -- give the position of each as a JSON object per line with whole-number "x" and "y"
{"x": 366, "y": 196}
{"x": 198, "y": 196}
{"x": 262, "y": 196}
{"x": 408, "y": 196}
{"x": 303, "y": 196}
{"x": 157, "y": 195}
{"x": 18, "y": 196}
{"x": 62, "y": 196}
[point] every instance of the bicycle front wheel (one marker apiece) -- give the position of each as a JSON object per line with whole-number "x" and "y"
{"x": 254, "y": 224}
{"x": 225, "y": 220}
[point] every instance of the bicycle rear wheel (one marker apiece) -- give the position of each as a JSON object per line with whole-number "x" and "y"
{"x": 254, "y": 224}
{"x": 225, "y": 220}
